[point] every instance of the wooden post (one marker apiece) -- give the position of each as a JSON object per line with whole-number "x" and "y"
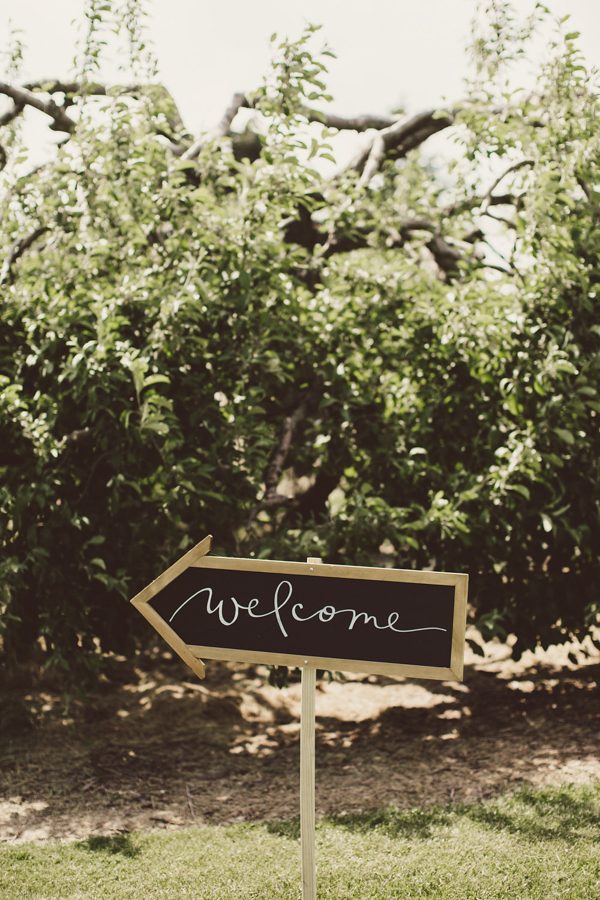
{"x": 307, "y": 776}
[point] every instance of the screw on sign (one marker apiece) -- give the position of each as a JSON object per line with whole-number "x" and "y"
{"x": 312, "y": 615}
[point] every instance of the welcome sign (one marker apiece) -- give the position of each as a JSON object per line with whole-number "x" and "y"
{"x": 352, "y": 618}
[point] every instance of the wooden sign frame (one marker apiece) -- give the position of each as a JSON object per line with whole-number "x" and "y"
{"x": 193, "y": 654}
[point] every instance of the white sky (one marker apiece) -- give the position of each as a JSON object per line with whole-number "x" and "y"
{"x": 390, "y": 52}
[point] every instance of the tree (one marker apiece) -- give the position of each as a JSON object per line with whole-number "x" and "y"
{"x": 208, "y": 334}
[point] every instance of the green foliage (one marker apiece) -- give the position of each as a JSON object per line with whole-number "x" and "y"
{"x": 154, "y": 344}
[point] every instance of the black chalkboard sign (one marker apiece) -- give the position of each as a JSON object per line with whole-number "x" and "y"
{"x": 353, "y": 618}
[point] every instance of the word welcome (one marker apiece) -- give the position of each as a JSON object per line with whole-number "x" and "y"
{"x": 228, "y": 612}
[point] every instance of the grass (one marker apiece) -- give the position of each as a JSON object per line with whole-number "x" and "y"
{"x": 534, "y": 844}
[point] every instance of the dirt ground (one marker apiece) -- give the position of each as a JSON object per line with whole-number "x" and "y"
{"x": 154, "y": 748}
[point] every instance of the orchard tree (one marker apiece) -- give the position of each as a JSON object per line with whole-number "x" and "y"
{"x": 398, "y": 359}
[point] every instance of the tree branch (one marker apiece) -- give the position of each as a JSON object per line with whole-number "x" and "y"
{"x": 349, "y": 123}
{"x": 277, "y": 460}
{"x": 24, "y": 97}
{"x": 279, "y": 455}
{"x": 329, "y": 120}
{"x": 96, "y": 89}
{"x": 446, "y": 255}
{"x": 92, "y": 88}
{"x": 374, "y": 159}
{"x": 359, "y": 240}
{"x": 17, "y": 250}
{"x": 238, "y": 102}
{"x": 11, "y": 114}
{"x": 488, "y": 197}
{"x": 399, "y": 138}
{"x": 394, "y": 137}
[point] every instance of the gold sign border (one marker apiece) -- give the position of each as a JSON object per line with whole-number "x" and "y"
{"x": 192, "y": 654}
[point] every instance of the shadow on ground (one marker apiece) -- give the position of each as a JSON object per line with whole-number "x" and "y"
{"x": 111, "y": 845}
{"x": 153, "y": 748}
{"x": 545, "y": 815}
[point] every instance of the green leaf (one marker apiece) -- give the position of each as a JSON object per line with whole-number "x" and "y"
{"x": 156, "y": 379}
{"x": 546, "y": 522}
{"x": 520, "y": 489}
{"x": 563, "y": 365}
{"x": 565, "y": 435}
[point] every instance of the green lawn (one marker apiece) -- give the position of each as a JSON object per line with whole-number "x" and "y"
{"x": 535, "y": 844}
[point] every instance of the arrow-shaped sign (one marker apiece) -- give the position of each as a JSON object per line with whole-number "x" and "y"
{"x": 353, "y": 618}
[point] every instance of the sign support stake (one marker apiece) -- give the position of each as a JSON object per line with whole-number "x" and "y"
{"x": 187, "y": 605}
{"x": 307, "y": 775}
